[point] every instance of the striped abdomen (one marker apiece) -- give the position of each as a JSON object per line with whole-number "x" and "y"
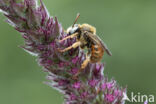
{"x": 96, "y": 53}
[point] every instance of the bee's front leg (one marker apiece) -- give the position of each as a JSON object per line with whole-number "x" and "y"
{"x": 70, "y": 36}
{"x": 75, "y": 45}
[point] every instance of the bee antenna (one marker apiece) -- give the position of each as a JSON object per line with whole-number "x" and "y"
{"x": 77, "y": 17}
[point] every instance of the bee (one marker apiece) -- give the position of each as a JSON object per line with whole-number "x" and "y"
{"x": 86, "y": 38}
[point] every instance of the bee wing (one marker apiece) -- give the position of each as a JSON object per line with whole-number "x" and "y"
{"x": 97, "y": 40}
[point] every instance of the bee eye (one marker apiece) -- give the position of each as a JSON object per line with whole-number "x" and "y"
{"x": 76, "y": 25}
{"x": 73, "y": 30}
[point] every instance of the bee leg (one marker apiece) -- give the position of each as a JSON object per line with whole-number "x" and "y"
{"x": 98, "y": 91}
{"x": 70, "y": 36}
{"x": 75, "y": 45}
{"x": 85, "y": 63}
{"x": 83, "y": 66}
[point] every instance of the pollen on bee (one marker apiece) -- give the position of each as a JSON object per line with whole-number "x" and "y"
{"x": 91, "y": 28}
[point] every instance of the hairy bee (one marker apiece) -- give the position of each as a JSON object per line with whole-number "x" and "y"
{"x": 86, "y": 37}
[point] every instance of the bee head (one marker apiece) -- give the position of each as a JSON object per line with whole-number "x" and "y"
{"x": 72, "y": 29}
{"x": 75, "y": 27}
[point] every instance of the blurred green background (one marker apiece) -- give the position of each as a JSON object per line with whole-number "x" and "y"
{"x": 127, "y": 26}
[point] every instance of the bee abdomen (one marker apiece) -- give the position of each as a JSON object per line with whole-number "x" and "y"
{"x": 96, "y": 53}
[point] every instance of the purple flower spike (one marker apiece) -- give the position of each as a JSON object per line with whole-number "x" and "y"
{"x": 103, "y": 86}
{"x": 92, "y": 83}
{"x": 110, "y": 98}
{"x": 72, "y": 97}
{"x": 76, "y": 85}
{"x": 74, "y": 71}
{"x": 146, "y": 102}
{"x": 41, "y": 32}
{"x": 74, "y": 60}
